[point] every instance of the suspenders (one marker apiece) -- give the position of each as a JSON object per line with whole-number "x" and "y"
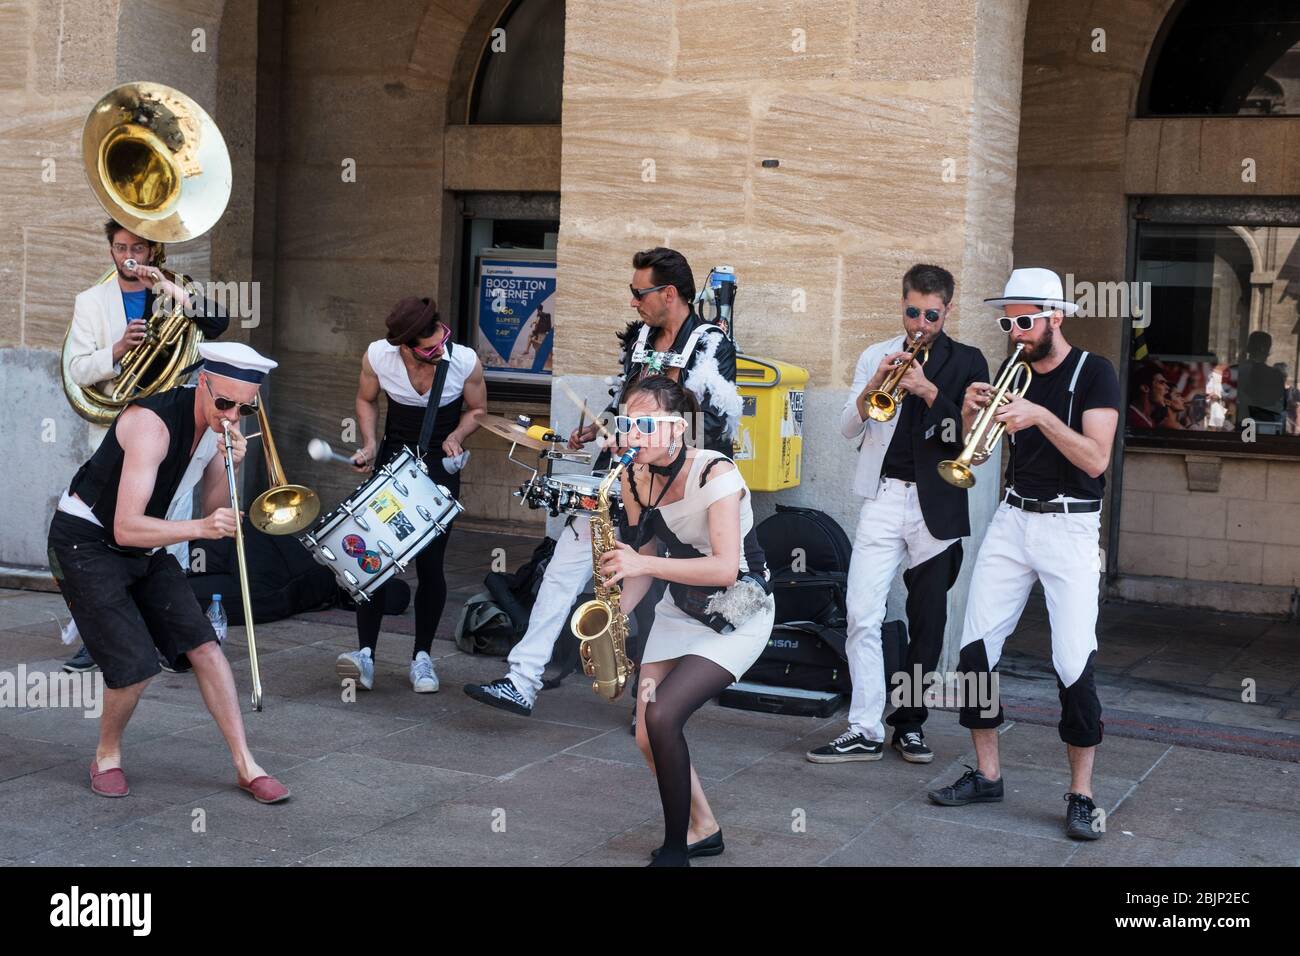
{"x": 1069, "y": 418}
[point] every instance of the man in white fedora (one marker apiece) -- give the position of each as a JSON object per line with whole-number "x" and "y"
{"x": 1046, "y": 529}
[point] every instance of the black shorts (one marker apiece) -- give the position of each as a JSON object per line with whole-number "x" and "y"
{"x": 128, "y": 607}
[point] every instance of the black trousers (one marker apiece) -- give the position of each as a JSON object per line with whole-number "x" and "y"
{"x": 927, "y": 617}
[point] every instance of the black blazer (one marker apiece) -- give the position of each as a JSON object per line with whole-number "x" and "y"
{"x": 952, "y": 367}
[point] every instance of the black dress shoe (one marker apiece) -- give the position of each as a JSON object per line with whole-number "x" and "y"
{"x": 710, "y": 846}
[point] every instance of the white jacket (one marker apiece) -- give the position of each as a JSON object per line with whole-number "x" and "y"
{"x": 98, "y": 320}
{"x": 875, "y": 435}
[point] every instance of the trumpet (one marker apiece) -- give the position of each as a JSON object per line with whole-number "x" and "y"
{"x": 985, "y": 433}
{"x": 883, "y": 403}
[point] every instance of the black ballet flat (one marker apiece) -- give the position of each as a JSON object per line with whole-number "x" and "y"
{"x": 709, "y": 846}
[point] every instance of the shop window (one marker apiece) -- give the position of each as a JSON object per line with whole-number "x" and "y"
{"x": 1217, "y": 359}
{"x": 1220, "y": 58}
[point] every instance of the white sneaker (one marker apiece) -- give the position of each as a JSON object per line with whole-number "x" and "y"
{"x": 423, "y": 679}
{"x": 358, "y": 666}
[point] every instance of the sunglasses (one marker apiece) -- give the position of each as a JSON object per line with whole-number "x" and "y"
{"x": 430, "y": 351}
{"x": 640, "y": 294}
{"x": 1023, "y": 322}
{"x": 931, "y": 315}
{"x": 645, "y": 424}
{"x": 226, "y": 404}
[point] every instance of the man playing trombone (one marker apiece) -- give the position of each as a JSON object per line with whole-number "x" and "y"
{"x": 906, "y": 415}
{"x": 127, "y": 594}
{"x": 1062, "y": 429}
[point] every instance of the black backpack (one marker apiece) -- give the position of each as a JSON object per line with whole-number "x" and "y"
{"x": 808, "y": 556}
{"x": 494, "y": 620}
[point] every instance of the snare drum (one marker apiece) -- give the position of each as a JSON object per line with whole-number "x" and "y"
{"x": 383, "y": 526}
{"x": 570, "y": 494}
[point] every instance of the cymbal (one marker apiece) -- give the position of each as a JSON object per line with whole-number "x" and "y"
{"x": 510, "y": 431}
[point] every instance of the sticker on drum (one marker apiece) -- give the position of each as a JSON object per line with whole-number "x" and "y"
{"x": 353, "y": 545}
{"x": 385, "y": 505}
{"x": 401, "y": 526}
{"x": 370, "y": 562}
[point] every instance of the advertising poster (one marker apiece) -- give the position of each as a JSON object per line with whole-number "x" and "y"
{"x": 515, "y": 309}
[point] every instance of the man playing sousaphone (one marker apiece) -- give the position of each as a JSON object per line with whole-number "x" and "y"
{"x": 126, "y": 593}
{"x": 108, "y": 320}
{"x": 416, "y": 357}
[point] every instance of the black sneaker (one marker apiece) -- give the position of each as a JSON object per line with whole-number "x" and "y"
{"x": 912, "y": 747}
{"x": 80, "y": 662}
{"x": 501, "y": 693}
{"x": 848, "y": 746}
{"x": 1080, "y": 822}
{"x": 971, "y": 787}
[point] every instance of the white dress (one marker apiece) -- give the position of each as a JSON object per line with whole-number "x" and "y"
{"x": 675, "y": 633}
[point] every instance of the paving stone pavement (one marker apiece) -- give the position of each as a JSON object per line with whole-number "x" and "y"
{"x": 397, "y": 778}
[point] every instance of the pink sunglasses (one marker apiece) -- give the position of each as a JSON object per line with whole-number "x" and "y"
{"x": 429, "y": 352}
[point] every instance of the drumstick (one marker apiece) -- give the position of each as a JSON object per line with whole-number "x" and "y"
{"x": 582, "y": 404}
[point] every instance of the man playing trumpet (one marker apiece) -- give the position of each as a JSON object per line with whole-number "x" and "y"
{"x": 909, "y": 513}
{"x": 1062, "y": 429}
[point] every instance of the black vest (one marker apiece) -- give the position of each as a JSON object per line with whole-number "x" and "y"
{"x": 96, "y": 482}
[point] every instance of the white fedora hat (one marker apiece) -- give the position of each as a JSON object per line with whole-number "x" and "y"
{"x": 1035, "y": 287}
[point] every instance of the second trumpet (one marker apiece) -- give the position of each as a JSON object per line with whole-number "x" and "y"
{"x": 985, "y": 433}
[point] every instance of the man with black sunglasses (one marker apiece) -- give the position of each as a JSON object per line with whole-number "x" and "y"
{"x": 909, "y": 514}
{"x": 667, "y": 338}
{"x": 107, "y": 550}
{"x": 1046, "y": 529}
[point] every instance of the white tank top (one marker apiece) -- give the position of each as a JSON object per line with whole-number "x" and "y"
{"x": 386, "y": 360}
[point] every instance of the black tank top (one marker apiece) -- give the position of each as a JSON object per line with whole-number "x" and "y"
{"x": 96, "y": 482}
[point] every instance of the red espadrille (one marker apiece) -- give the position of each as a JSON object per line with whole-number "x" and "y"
{"x": 265, "y": 789}
{"x": 108, "y": 783}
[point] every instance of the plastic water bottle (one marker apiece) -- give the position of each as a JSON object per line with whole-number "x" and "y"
{"x": 217, "y": 615}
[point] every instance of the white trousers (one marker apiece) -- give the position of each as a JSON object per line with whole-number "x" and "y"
{"x": 1061, "y": 551}
{"x": 567, "y": 573}
{"x": 890, "y": 530}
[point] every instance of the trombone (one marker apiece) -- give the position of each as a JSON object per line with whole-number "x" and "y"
{"x": 281, "y": 509}
{"x": 883, "y": 403}
{"x": 985, "y": 433}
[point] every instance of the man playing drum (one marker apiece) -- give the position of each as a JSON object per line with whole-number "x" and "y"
{"x": 415, "y": 356}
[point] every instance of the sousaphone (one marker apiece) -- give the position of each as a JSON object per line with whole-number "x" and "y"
{"x": 158, "y": 165}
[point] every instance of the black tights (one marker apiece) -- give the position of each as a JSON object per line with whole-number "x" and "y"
{"x": 688, "y": 686}
{"x": 430, "y": 599}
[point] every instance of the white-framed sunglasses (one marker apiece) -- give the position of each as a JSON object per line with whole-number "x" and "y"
{"x": 1022, "y": 322}
{"x": 645, "y": 424}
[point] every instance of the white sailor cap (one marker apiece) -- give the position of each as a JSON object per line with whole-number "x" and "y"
{"x": 235, "y": 360}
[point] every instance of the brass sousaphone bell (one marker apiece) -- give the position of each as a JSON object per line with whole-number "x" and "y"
{"x": 158, "y": 165}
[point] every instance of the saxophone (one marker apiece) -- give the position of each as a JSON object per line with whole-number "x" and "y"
{"x": 598, "y": 624}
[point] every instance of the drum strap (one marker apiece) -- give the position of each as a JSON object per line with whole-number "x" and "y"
{"x": 435, "y": 397}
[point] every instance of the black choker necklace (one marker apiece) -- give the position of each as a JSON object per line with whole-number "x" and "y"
{"x": 671, "y": 469}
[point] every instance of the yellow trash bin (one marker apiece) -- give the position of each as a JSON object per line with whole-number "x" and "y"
{"x": 769, "y": 447}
